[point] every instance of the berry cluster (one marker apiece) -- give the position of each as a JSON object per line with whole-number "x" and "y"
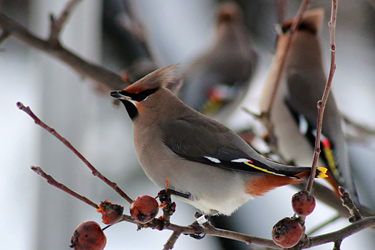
{"x": 90, "y": 236}
{"x": 289, "y": 231}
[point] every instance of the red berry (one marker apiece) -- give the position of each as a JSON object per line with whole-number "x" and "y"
{"x": 287, "y": 232}
{"x": 88, "y": 236}
{"x": 111, "y": 213}
{"x": 303, "y": 203}
{"x": 144, "y": 208}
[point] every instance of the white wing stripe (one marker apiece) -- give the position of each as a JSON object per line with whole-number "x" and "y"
{"x": 213, "y": 159}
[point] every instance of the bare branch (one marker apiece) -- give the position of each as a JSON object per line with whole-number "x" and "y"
{"x": 4, "y": 35}
{"x": 349, "y": 204}
{"x": 178, "y": 230}
{"x": 57, "y": 24}
{"x": 172, "y": 240}
{"x": 91, "y": 70}
{"x": 62, "y": 187}
{"x": 275, "y": 73}
{"x": 342, "y": 233}
{"x": 337, "y": 244}
{"x": 322, "y": 103}
{"x": 94, "y": 171}
{"x": 326, "y": 223}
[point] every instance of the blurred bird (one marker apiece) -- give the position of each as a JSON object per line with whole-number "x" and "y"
{"x": 219, "y": 79}
{"x": 294, "y": 109}
{"x": 206, "y": 164}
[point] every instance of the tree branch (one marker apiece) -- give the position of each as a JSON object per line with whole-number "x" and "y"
{"x": 342, "y": 233}
{"x": 57, "y": 24}
{"x": 94, "y": 171}
{"x": 91, "y": 70}
{"x": 275, "y": 73}
{"x": 178, "y": 230}
{"x": 4, "y": 35}
{"x": 62, "y": 187}
{"x": 322, "y": 103}
{"x": 349, "y": 204}
{"x": 172, "y": 240}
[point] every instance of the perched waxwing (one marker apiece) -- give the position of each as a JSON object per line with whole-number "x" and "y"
{"x": 205, "y": 163}
{"x": 294, "y": 110}
{"x": 219, "y": 78}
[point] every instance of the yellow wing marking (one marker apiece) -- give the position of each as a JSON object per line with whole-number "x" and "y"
{"x": 322, "y": 173}
{"x": 262, "y": 169}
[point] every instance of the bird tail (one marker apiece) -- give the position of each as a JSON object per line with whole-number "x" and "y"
{"x": 321, "y": 172}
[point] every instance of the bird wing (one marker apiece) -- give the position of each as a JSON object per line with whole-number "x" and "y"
{"x": 334, "y": 151}
{"x": 209, "y": 142}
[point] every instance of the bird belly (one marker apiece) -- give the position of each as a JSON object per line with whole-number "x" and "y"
{"x": 211, "y": 189}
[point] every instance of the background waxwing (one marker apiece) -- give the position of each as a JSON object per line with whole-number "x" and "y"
{"x": 219, "y": 78}
{"x": 206, "y": 164}
{"x": 293, "y": 111}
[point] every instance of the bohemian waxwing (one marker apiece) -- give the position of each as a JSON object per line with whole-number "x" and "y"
{"x": 219, "y": 79}
{"x": 294, "y": 109}
{"x": 206, "y": 164}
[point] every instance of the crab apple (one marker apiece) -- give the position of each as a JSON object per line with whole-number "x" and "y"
{"x": 111, "y": 213}
{"x": 287, "y": 232}
{"x": 303, "y": 203}
{"x": 88, "y": 236}
{"x": 144, "y": 208}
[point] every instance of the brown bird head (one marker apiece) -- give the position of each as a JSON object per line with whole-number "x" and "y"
{"x": 134, "y": 95}
{"x": 228, "y": 12}
{"x": 311, "y": 21}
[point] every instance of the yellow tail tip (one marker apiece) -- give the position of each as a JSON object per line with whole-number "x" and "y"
{"x": 322, "y": 172}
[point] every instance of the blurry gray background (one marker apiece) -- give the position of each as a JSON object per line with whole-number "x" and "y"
{"x": 38, "y": 216}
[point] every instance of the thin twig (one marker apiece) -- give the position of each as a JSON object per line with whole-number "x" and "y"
{"x": 62, "y": 187}
{"x": 322, "y": 103}
{"x": 172, "y": 240}
{"x": 56, "y": 24}
{"x": 342, "y": 233}
{"x": 281, "y": 57}
{"x": 93, "y": 71}
{"x": 349, "y": 204}
{"x": 337, "y": 244}
{"x": 248, "y": 239}
{"x": 326, "y": 223}
{"x": 4, "y": 35}
{"x": 274, "y": 76}
{"x": 94, "y": 171}
{"x": 359, "y": 127}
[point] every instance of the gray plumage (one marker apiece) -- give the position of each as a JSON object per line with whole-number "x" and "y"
{"x": 200, "y": 157}
{"x": 226, "y": 68}
{"x": 294, "y": 111}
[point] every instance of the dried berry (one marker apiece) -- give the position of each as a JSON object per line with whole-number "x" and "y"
{"x": 88, "y": 236}
{"x": 287, "y": 232}
{"x": 303, "y": 203}
{"x": 144, "y": 208}
{"x": 111, "y": 213}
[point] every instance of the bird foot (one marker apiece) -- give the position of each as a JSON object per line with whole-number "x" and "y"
{"x": 199, "y": 231}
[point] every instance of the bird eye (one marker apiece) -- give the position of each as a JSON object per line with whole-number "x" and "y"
{"x": 141, "y": 96}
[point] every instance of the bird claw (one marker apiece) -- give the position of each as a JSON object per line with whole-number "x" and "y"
{"x": 199, "y": 231}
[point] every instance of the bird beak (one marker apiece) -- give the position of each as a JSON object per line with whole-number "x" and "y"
{"x": 118, "y": 95}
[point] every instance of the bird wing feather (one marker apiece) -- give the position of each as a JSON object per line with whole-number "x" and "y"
{"x": 210, "y": 143}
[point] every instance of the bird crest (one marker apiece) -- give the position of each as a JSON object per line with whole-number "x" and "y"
{"x": 311, "y": 21}
{"x": 163, "y": 77}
